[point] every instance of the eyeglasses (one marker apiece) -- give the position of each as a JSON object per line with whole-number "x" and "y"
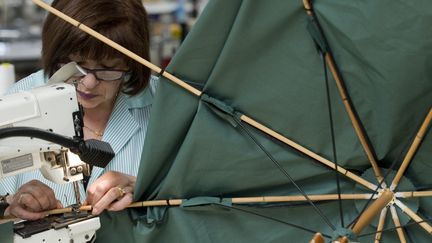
{"x": 104, "y": 74}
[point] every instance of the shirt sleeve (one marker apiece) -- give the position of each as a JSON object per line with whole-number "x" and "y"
{"x": 31, "y": 81}
{"x": 10, "y": 184}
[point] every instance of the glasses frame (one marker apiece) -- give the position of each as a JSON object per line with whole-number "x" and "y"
{"x": 126, "y": 75}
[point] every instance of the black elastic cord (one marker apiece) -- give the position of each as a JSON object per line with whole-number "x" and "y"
{"x": 220, "y": 198}
{"x": 329, "y": 107}
{"x": 279, "y": 166}
{"x": 167, "y": 202}
{"x": 273, "y": 219}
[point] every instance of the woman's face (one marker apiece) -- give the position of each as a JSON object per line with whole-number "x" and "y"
{"x": 93, "y": 92}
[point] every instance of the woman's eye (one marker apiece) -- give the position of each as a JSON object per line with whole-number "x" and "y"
{"x": 108, "y": 67}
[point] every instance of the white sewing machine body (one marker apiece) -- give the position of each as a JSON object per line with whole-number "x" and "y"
{"x": 52, "y": 108}
{"x": 82, "y": 231}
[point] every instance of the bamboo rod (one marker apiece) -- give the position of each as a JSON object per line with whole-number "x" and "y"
{"x": 361, "y": 134}
{"x": 198, "y": 93}
{"x": 68, "y": 210}
{"x": 236, "y": 200}
{"x": 52, "y": 212}
{"x": 323, "y": 197}
{"x": 413, "y": 194}
{"x": 156, "y": 203}
{"x": 318, "y": 238}
{"x": 355, "y": 122}
{"x": 308, "y": 7}
{"x": 412, "y": 150}
{"x": 372, "y": 211}
{"x": 381, "y": 223}
{"x": 397, "y": 224}
{"x": 414, "y": 216}
{"x": 263, "y": 199}
{"x": 344, "y": 239}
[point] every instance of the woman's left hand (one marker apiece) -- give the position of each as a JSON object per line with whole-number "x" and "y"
{"x": 112, "y": 191}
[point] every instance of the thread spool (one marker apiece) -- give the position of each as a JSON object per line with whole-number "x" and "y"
{"x": 7, "y": 77}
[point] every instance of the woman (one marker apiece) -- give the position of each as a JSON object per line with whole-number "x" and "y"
{"x": 116, "y": 96}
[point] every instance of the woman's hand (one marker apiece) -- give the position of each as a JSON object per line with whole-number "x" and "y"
{"x": 112, "y": 191}
{"x": 31, "y": 200}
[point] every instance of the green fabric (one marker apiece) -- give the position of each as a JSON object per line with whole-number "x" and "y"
{"x": 144, "y": 98}
{"x": 258, "y": 58}
{"x": 6, "y": 232}
{"x": 200, "y": 201}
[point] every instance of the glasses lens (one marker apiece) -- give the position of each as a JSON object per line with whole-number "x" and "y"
{"x": 109, "y": 75}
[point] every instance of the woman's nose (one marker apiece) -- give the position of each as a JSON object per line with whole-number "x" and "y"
{"x": 89, "y": 81}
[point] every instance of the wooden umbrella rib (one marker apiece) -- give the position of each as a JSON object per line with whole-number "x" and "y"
{"x": 414, "y": 194}
{"x": 355, "y": 122}
{"x": 297, "y": 198}
{"x": 361, "y": 134}
{"x": 369, "y": 214}
{"x": 412, "y": 150}
{"x": 397, "y": 224}
{"x": 318, "y": 238}
{"x": 381, "y": 223}
{"x": 157, "y": 203}
{"x": 414, "y": 216}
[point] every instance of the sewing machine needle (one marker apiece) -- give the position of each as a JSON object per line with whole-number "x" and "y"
{"x": 77, "y": 192}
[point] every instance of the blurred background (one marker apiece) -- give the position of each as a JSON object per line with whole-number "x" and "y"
{"x": 21, "y": 23}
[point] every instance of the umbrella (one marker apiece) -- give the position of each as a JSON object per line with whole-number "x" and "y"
{"x": 293, "y": 119}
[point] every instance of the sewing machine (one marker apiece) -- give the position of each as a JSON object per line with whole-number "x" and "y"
{"x": 42, "y": 129}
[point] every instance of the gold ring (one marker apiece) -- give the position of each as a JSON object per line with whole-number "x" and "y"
{"x": 121, "y": 192}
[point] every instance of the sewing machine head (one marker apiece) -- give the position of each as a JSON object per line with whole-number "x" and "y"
{"x": 51, "y": 108}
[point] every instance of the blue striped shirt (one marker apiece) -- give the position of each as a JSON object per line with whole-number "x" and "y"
{"x": 125, "y": 132}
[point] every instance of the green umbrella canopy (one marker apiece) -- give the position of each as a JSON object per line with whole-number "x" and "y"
{"x": 265, "y": 60}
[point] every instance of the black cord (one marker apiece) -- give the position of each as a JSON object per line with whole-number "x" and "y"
{"x": 271, "y": 218}
{"x": 329, "y": 106}
{"x": 279, "y": 166}
{"x": 33, "y": 132}
{"x": 91, "y": 151}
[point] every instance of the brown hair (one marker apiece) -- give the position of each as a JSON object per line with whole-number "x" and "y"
{"x": 123, "y": 21}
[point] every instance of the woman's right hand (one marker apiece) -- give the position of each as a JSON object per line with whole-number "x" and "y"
{"x": 31, "y": 200}
{"x": 112, "y": 191}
